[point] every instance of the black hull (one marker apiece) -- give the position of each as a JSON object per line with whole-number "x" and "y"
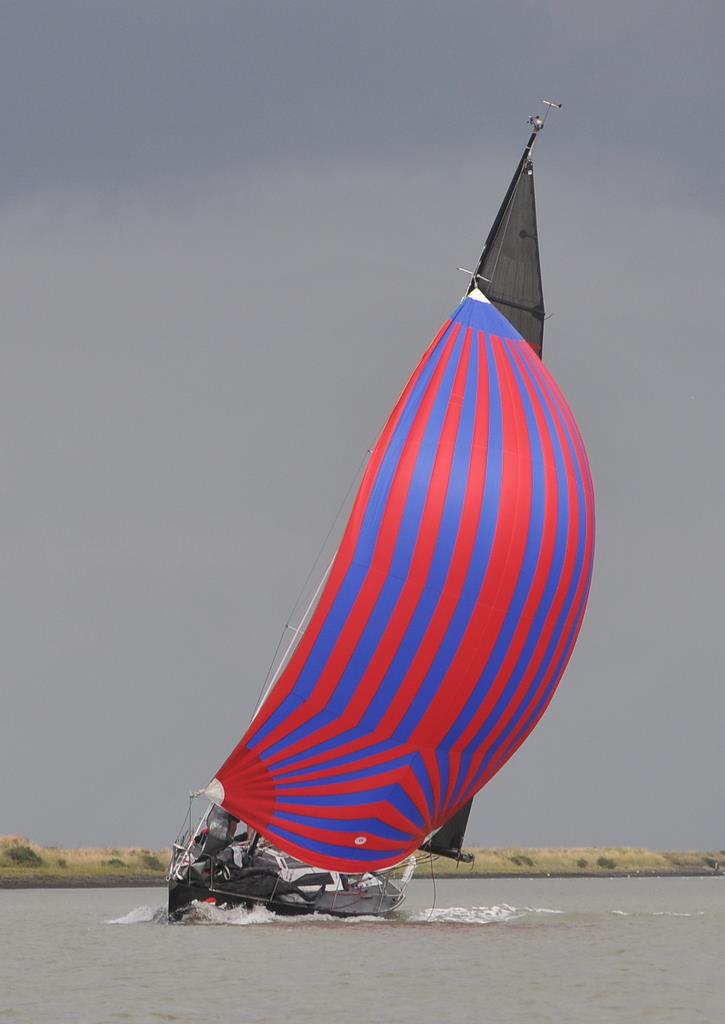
{"x": 351, "y": 903}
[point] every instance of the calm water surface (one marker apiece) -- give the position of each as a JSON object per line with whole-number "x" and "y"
{"x": 502, "y": 951}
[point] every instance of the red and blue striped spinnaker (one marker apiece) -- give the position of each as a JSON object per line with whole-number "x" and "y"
{"x": 450, "y": 612}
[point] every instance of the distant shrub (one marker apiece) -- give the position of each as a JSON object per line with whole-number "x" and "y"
{"x": 115, "y": 862}
{"x": 607, "y": 863}
{"x": 582, "y": 863}
{"x": 23, "y": 856}
{"x": 521, "y": 860}
{"x": 151, "y": 861}
{"x": 62, "y": 862}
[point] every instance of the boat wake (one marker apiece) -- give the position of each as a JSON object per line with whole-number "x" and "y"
{"x": 208, "y": 914}
{"x": 141, "y": 915}
{"x": 466, "y": 915}
{"x": 658, "y": 913}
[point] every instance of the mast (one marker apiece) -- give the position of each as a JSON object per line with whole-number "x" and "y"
{"x": 509, "y": 270}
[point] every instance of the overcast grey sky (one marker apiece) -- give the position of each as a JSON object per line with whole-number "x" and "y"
{"x": 227, "y": 232}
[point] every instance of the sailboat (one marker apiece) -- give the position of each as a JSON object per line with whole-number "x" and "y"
{"x": 440, "y": 633}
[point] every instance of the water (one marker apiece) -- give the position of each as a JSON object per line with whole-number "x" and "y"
{"x": 503, "y": 951}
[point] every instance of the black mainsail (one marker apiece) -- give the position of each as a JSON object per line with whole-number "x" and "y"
{"x": 509, "y": 271}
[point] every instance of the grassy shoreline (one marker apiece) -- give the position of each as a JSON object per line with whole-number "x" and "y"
{"x": 25, "y": 864}
{"x": 582, "y": 862}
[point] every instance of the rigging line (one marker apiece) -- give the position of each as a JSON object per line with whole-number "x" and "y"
{"x": 435, "y": 894}
{"x": 271, "y": 671}
{"x": 354, "y": 480}
{"x": 295, "y": 635}
{"x": 265, "y": 681}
